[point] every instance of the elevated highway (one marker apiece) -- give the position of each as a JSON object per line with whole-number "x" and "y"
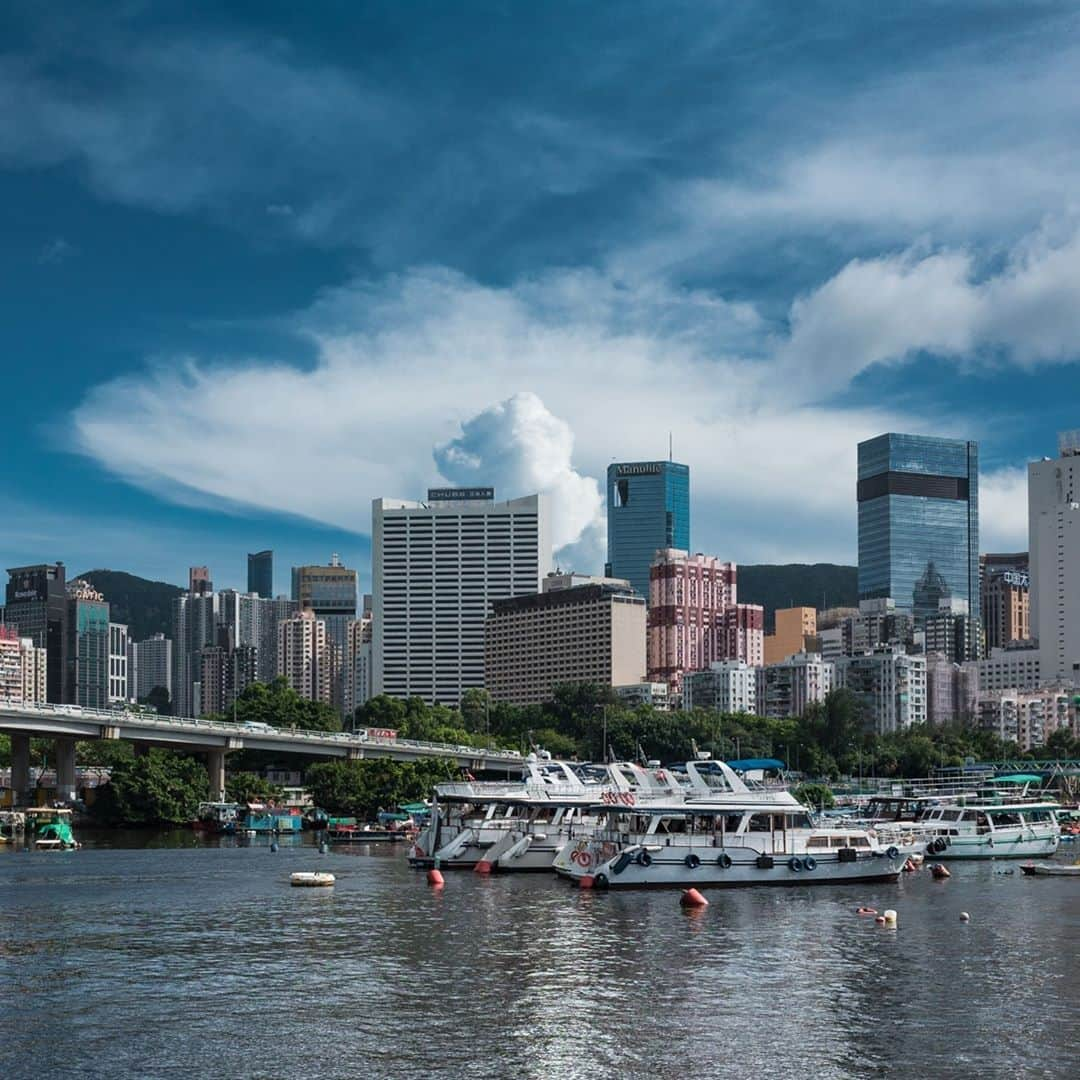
{"x": 68, "y": 724}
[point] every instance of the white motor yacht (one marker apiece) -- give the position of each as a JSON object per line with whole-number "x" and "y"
{"x": 522, "y": 826}
{"x": 724, "y": 834}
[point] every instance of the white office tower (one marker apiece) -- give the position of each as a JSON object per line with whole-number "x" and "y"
{"x": 437, "y": 566}
{"x": 1054, "y": 553}
{"x": 119, "y": 689}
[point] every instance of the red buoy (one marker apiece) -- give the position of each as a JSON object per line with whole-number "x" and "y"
{"x": 585, "y": 881}
{"x": 434, "y": 877}
{"x": 692, "y": 898}
{"x": 939, "y": 871}
{"x": 482, "y": 867}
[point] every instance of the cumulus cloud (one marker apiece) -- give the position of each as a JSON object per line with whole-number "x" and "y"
{"x": 883, "y": 310}
{"x": 581, "y": 365}
{"x": 538, "y": 385}
{"x": 1003, "y": 523}
{"x": 519, "y": 446}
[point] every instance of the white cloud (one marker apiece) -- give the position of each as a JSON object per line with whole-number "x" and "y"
{"x": 1003, "y": 523}
{"x": 586, "y": 370}
{"x": 539, "y": 385}
{"x": 883, "y": 310}
{"x": 518, "y": 446}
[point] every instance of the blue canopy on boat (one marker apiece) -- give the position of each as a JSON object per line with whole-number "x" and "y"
{"x": 754, "y": 763}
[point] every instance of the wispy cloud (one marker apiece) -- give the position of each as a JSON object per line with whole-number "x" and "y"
{"x": 55, "y": 251}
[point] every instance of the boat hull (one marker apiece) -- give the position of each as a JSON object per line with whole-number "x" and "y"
{"x": 742, "y": 876}
{"x": 978, "y": 847}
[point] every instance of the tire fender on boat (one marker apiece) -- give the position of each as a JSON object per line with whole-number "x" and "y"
{"x": 795, "y": 863}
{"x": 810, "y": 863}
{"x": 892, "y": 852}
{"x": 692, "y": 861}
{"x": 644, "y": 858}
{"x": 723, "y": 860}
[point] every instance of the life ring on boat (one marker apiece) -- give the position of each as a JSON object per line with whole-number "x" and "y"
{"x": 723, "y": 860}
{"x": 795, "y": 863}
{"x": 644, "y": 858}
{"x": 892, "y": 852}
{"x": 692, "y": 861}
{"x": 810, "y": 863}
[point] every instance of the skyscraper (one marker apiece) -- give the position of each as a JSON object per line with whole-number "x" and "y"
{"x": 1054, "y": 552}
{"x": 330, "y": 593}
{"x": 648, "y": 508}
{"x": 918, "y": 499}
{"x": 260, "y": 578}
{"x": 88, "y": 646}
{"x": 36, "y": 605}
{"x": 437, "y": 567}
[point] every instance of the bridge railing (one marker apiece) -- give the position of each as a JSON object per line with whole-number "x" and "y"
{"x": 125, "y": 716}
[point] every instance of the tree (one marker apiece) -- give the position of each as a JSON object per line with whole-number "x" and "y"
{"x": 360, "y": 788}
{"x": 158, "y": 788}
{"x": 279, "y": 705}
{"x": 819, "y": 796}
{"x": 245, "y": 787}
{"x": 158, "y": 699}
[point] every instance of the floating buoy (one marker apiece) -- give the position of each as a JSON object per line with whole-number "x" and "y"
{"x": 482, "y": 867}
{"x": 434, "y": 877}
{"x": 880, "y": 920}
{"x": 311, "y": 880}
{"x": 965, "y": 917}
{"x": 889, "y": 916}
{"x": 940, "y": 871}
{"x": 585, "y": 881}
{"x": 273, "y": 845}
{"x": 866, "y": 911}
{"x": 909, "y": 867}
{"x": 692, "y": 898}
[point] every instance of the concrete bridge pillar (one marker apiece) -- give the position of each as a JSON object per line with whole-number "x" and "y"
{"x": 215, "y": 767}
{"x": 20, "y": 768}
{"x": 65, "y": 769}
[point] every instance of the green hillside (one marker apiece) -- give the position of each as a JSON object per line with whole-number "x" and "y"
{"x": 798, "y": 585}
{"x": 146, "y": 606}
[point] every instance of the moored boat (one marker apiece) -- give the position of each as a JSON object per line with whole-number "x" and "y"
{"x": 218, "y": 818}
{"x": 731, "y": 837}
{"x": 1051, "y": 869}
{"x": 51, "y": 828}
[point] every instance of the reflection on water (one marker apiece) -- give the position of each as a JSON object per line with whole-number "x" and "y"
{"x": 170, "y": 955}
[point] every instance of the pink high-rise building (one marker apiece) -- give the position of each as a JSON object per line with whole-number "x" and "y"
{"x": 694, "y": 617}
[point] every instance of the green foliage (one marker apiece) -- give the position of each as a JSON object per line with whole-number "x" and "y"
{"x": 819, "y": 796}
{"x": 157, "y": 788}
{"x": 158, "y": 699}
{"x": 360, "y": 788}
{"x": 244, "y": 787}
{"x": 146, "y": 606}
{"x": 104, "y": 753}
{"x": 278, "y": 705}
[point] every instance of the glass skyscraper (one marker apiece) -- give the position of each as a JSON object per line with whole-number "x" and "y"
{"x": 260, "y": 578}
{"x": 918, "y": 502}
{"x": 648, "y": 508}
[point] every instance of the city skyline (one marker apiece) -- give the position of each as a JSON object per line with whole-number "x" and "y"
{"x": 771, "y": 280}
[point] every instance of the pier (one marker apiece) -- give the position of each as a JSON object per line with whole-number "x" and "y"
{"x": 67, "y": 724}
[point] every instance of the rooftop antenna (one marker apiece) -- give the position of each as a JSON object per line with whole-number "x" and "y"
{"x": 670, "y": 447}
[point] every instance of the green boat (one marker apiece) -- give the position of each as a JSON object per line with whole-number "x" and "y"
{"x": 50, "y": 828}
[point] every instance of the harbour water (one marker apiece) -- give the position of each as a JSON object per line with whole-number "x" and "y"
{"x": 167, "y": 956}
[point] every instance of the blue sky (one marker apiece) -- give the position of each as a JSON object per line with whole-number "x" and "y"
{"x": 263, "y": 264}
